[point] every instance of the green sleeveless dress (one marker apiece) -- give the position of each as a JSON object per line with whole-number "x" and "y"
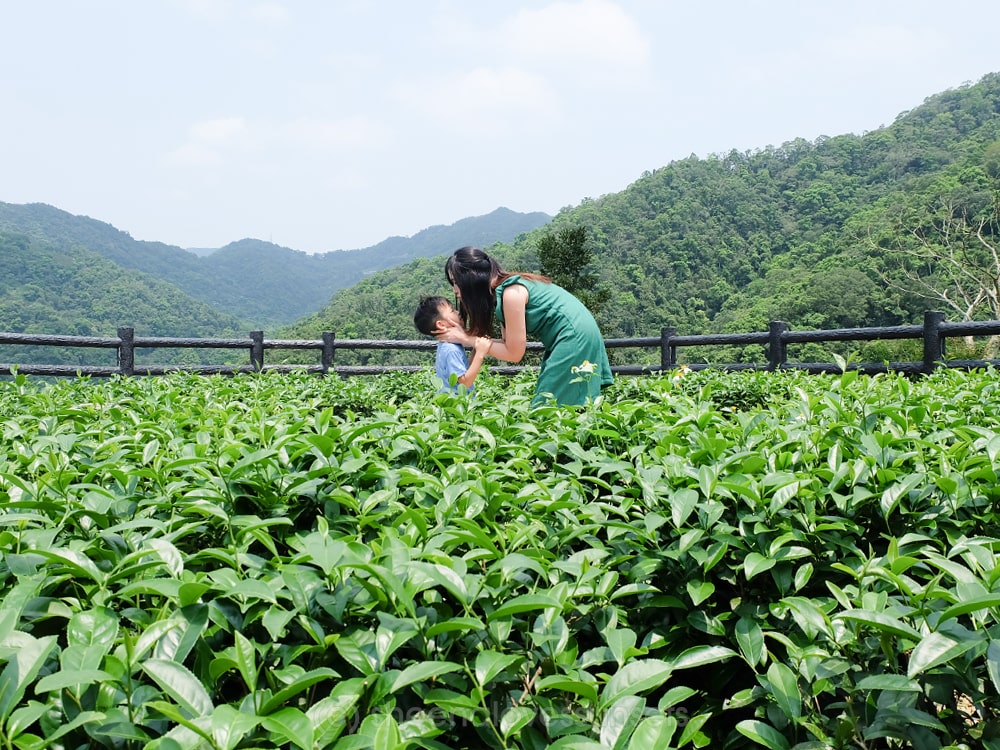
{"x": 571, "y": 338}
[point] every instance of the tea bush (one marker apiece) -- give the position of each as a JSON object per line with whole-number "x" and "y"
{"x": 696, "y": 560}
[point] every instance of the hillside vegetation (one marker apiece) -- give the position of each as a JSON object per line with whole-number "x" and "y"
{"x": 258, "y": 282}
{"x": 801, "y": 233}
{"x": 75, "y": 291}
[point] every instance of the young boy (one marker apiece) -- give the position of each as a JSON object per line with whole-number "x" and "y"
{"x": 450, "y": 359}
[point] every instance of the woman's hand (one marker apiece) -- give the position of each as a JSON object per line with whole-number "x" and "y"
{"x": 454, "y": 333}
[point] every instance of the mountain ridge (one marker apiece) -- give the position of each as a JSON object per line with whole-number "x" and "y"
{"x": 255, "y": 280}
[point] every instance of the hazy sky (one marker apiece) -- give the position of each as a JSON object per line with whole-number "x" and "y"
{"x": 333, "y": 124}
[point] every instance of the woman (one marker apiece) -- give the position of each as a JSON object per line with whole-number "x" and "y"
{"x": 575, "y": 364}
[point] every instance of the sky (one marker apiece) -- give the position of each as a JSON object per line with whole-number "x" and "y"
{"x": 334, "y": 124}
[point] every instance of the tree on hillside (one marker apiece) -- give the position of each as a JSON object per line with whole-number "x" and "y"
{"x": 565, "y": 257}
{"x": 954, "y": 260}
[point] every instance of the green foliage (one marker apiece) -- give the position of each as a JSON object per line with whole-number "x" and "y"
{"x": 565, "y": 257}
{"x": 252, "y": 280}
{"x": 697, "y": 560}
{"x": 77, "y": 292}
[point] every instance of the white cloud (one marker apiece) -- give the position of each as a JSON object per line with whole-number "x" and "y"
{"x": 206, "y": 142}
{"x": 214, "y": 143}
{"x": 855, "y": 57}
{"x": 193, "y": 155}
{"x": 574, "y": 33}
{"x": 350, "y": 181}
{"x": 213, "y": 10}
{"x": 487, "y": 99}
{"x": 269, "y": 12}
{"x": 882, "y": 46}
{"x": 349, "y": 132}
{"x": 223, "y": 131}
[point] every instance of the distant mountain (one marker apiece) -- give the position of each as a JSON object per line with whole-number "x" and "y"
{"x": 259, "y": 282}
{"x": 201, "y": 252}
{"x": 75, "y": 291}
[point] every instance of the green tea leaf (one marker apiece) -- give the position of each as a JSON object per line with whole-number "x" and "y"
{"x": 699, "y": 591}
{"x": 935, "y": 649}
{"x": 993, "y": 663}
{"x": 515, "y": 719}
{"x": 77, "y": 562}
{"x": 762, "y": 734}
{"x": 785, "y": 689}
{"x": 809, "y": 616}
{"x": 169, "y": 554}
{"x": 29, "y": 657}
{"x": 181, "y": 685}
{"x": 229, "y": 726}
{"x": 422, "y": 671}
{"x": 621, "y": 641}
{"x": 441, "y": 575}
{"x": 755, "y": 563}
{"x": 880, "y": 621}
{"x": 653, "y": 732}
{"x": 559, "y": 682}
{"x": 292, "y": 725}
{"x": 620, "y": 719}
{"x": 682, "y": 503}
{"x": 990, "y": 601}
{"x": 72, "y": 678}
{"x": 330, "y": 715}
{"x": 750, "y": 638}
{"x": 897, "y": 682}
{"x": 246, "y": 660}
{"x": 699, "y": 656}
{"x": 635, "y": 677}
{"x": 455, "y": 624}
{"x": 23, "y": 718}
{"x": 491, "y": 663}
{"x": 300, "y": 684}
{"x": 14, "y": 601}
{"x": 524, "y": 603}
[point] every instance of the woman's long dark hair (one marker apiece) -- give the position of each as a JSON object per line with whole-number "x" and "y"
{"x": 477, "y": 276}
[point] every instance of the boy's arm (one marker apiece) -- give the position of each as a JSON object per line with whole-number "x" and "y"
{"x": 479, "y": 350}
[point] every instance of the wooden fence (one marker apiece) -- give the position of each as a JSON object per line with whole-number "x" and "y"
{"x": 775, "y": 341}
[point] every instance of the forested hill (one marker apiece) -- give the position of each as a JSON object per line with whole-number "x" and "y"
{"x": 264, "y": 284}
{"x": 727, "y": 242}
{"x": 75, "y": 291}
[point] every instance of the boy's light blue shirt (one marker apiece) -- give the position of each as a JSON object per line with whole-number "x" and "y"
{"x": 450, "y": 360}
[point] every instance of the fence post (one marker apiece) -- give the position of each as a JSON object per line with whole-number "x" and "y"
{"x": 329, "y": 349}
{"x": 257, "y": 350}
{"x": 126, "y": 351}
{"x": 933, "y": 343}
{"x": 668, "y": 353}
{"x": 778, "y": 354}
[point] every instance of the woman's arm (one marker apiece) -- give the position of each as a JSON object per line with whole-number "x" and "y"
{"x": 515, "y": 333}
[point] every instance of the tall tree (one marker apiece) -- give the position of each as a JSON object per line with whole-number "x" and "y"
{"x": 565, "y": 256}
{"x": 955, "y": 261}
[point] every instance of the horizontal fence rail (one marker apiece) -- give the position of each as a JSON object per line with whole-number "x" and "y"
{"x": 775, "y": 341}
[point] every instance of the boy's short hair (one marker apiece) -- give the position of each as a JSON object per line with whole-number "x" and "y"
{"x": 428, "y": 313}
